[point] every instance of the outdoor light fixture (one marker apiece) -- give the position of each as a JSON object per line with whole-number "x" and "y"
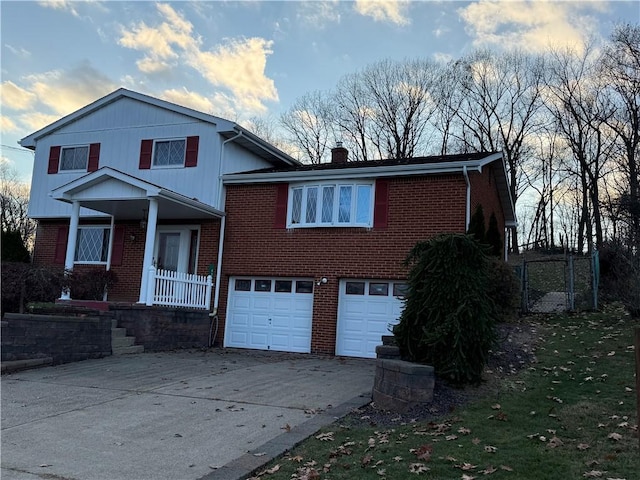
{"x": 322, "y": 281}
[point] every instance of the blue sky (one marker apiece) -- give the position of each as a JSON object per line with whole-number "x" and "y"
{"x": 250, "y": 58}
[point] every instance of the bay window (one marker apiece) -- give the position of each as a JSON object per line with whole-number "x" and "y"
{"x": 331, "y": 205}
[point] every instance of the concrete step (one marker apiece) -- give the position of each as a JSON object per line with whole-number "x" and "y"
{"x": 117, "y": 342}
{"x": 127, "y": 350}
{"x": 118, "y": 332}
{"x": 114, "y": 323}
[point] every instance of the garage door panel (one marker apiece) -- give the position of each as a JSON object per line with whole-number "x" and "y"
{"x": 278, "y": 319}
{"x": 364, "y": 319}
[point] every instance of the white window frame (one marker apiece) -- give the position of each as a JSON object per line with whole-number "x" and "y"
{"x": 305, "y": 187}
{"x": 169, "y": 140}
{"x": 71, "y": 170}
{"x": 105, "y": 253}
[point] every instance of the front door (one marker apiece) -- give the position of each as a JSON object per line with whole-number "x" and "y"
{"x": 176, "y": 249}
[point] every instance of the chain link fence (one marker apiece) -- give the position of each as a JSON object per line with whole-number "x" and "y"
{"x": 558, "y": 283}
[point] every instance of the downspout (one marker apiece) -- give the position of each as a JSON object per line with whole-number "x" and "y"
{"x": 468, "y": 201}
{"x": 223, "y": 222}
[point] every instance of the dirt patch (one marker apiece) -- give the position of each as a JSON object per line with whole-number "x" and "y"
{"x": 515, "y": 350}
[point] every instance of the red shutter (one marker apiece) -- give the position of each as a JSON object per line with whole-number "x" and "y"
{"x": 118, "y": 245}
{"x": 61, "y": 245}
{"x": 381, "y": 207}
{"x": 94, "y": 157}
{"x": 54, "y": 159}
{"x": 191, "y": 157}
{"x": 281, "y": 205}
{"x": 146, "y": 149}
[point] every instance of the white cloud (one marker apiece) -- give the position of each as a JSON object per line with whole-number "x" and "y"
{"x": 34, "y": 121}
{"x": 188, "y": 99}
{"x": 66, "y": 91}
{"x": 60, "y": 5}
{"x": 18, "y": 51}
{"x": 236, "y": 66}
{"x": 7, "y": 125}
{"x": 393, "y": 11}
{"x": 531, "y": 25}
{"x": 318, "y": 14}
{"x": 442, "y": 57}
{"x": 15, "y": 97}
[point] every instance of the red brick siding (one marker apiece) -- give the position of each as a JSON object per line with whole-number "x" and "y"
{"x": 419, "y": 208}
{"x": 484, "y": 192}
{"x": 127, "y": 289}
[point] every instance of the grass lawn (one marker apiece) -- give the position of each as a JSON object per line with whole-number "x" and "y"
{"x": 570, "y": 415}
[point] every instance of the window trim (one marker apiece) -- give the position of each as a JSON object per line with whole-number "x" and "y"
{"x": 74, "y": 170}
{"x": 104, "y": 228}
{"x": 173, "y": 165}
{"x": 320, "y": 189}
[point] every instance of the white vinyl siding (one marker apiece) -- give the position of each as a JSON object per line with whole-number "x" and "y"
{"x": 337, "y": 205}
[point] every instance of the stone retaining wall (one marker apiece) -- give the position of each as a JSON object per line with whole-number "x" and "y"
{"x": 65, "y": 338}
{"x": 401, "y": 385}
{"x": 164, "y": 328}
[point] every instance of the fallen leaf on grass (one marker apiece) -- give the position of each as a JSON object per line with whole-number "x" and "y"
{"x": 382, "y": 472}
{"x": 397, "y": 458}
{"x": 467, "y": 477}
{"x": 464, "y": 430}
{"x": 555, "y": 442}
{"x": 506, "y": 468}
{"x": 592, "y": 474}
{"x": 583, "y": 446}
{"x": 466, "y": 466}
{"x": 418, "y": 468}
{"x": 424, "y": 452}
{"x": 475, "y": 441}
{"x": 489, "y": 470}
{"x": 325, "y": 437}
{"x": 614, "y": 436}
{"x": 366, "y": 460}
{"x": 297, "y": 458}
{"x": 490, "y": 449}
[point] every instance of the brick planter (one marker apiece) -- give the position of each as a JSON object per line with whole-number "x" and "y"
{"x": 401, "y": 385}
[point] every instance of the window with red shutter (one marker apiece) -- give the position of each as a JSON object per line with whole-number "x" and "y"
{"x": 118, "y": 245}
{"x": 54, "y": 159}
{"x": 146, "y": 150}
{"x": 94, "y": 157}
{"x": 191, "y": 155}
{"x": 61, "y": 245}
{"x": 381, "y": 205}
{"x": 282, "y": 197}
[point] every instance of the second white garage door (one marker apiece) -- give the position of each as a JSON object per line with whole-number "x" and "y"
{"x": 270, "y": 314}
{"x": 366, "y": 309}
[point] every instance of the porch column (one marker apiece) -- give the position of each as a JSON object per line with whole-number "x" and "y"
{"x": 148, "y": 248}
{"x": 72, "y": 239}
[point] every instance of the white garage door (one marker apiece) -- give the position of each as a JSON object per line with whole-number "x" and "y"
{"x": 366, "y": 309}
{"x": 270, "y": 314}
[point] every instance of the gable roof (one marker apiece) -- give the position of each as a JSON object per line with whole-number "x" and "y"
{"x": 226, "y": 128}
{"x": 431, "y": 165}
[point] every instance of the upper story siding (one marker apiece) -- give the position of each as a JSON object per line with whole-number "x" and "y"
{"x": 119, "y": 127}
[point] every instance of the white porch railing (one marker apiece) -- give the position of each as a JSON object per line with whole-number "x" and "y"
{"x": 177, "y": 289}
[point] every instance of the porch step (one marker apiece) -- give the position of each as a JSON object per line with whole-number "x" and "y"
{"x": 121, "y": 344}
{"x": 128, "y": 350}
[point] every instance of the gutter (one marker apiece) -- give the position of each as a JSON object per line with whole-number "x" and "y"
{"x": 223, "y": 223}
{"x": 468, "y": 200}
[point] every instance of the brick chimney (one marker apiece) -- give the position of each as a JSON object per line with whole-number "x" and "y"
{"x": 339, "y": 154}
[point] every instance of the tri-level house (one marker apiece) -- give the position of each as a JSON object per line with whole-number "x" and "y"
{"x": 192, "y": 211}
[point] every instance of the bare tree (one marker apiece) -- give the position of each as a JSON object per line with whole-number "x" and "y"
{"x": 309, "y": 123}
{"x": 619, "y": 72}
{"x": 580, "y": 111}
{"x": 501, "y": 102}
{"x": 14, "y": 200}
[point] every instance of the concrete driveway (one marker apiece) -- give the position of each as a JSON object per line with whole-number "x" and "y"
{"x": 186, "y": 415}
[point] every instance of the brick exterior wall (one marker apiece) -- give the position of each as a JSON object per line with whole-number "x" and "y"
{"x": 127, "y": 289}
{"x": 419, "y": 208}
{"x": 485, "y": 193}
{"x": 64, "y": 338}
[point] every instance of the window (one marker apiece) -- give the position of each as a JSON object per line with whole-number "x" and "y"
{"x": 337, "y": 205}
{"x": 354, "y": 288}
{"x": 243, "y": 285}
{"x": 379, "y": 289}
{"x": 92, "y": 245}
{"x": 74, "y": 158}
{"x": 262, "y": 286}
{"x": 283, "y": 286}
{"x": 169, "y": 153}
{"x": 304, "y": 286}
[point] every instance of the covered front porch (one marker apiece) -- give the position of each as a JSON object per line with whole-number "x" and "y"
{"x": 151, "y": 236}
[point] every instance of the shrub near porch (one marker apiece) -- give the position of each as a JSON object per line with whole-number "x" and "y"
{"x": 571, "y": 414}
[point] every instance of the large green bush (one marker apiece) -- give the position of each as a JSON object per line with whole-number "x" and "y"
{"x": 449, "y": 318}
{"x": 620, "y": 276}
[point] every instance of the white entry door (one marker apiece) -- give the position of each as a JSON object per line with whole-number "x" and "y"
{"x": 176, "y": 248}
{"x": 269, "y": 314}
{"x": 367, "y": 309}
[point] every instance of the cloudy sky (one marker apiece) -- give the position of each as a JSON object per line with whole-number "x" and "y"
{"x": 238, "y": 59}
